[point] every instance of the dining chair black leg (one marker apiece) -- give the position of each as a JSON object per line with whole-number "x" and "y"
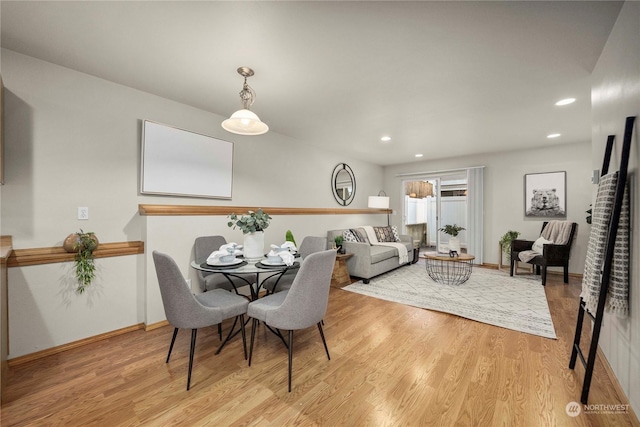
{"x": 229, "y": 336}
{"x": 290, "y": 356}
{"x": 324, "y": 341}
{"x": 173, "y": 340}
{"x": 220, "y": 331}
{"x": 193, "y": 348}
{"x": 254, "y": 325}
{"x": 244, "y": 336}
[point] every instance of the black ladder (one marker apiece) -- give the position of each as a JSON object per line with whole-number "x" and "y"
{"x": 606, "y": 267}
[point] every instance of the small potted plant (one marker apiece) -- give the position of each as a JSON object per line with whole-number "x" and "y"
{"x": 505, "y": 243}
{"x": 288, "y": 237}
{"x": 453, "y": 230}
{"x": 252, "y": 226}
{"x": 83, "y": 244}
{"x": 339, "y": 239}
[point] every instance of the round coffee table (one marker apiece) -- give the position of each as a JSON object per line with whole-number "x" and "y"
{"x": 449, "y": 270}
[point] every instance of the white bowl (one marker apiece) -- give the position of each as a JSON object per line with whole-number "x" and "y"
{"x": 274, "y": 259}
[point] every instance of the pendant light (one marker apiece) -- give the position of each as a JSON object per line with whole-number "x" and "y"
{"x": 244, "y": 121}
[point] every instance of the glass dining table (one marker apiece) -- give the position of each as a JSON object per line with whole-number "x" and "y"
{"x": 243, "y": 270}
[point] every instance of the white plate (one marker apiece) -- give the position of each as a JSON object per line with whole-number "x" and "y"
{"x": 273, "y": 264}
{"x": 218, "y": 263}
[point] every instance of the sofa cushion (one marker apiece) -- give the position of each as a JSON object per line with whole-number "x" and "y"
{"x": 380, "y": 253}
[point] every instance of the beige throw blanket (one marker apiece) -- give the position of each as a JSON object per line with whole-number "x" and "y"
{"x": 403, "y": 254}
{"x": 558, "y": 232}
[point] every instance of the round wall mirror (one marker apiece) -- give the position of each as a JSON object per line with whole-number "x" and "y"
{"x": 343, "y": 184}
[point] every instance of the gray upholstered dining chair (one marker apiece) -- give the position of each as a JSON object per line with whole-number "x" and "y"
{"x": 300, "y": 307}
{"x": 203, "y": 247}
{"x": 186, "y": 310}
{"x": 308, "y": 246}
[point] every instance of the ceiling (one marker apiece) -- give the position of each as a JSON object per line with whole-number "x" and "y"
{"x": 441, "y": 78}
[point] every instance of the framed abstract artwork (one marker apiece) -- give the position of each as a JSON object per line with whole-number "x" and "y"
{"x": 545, "y": 195}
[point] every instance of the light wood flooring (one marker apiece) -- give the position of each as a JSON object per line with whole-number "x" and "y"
{"x": 391, "y": 365}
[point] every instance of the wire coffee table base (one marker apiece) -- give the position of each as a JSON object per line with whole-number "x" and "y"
{"x": 449, "y": 270}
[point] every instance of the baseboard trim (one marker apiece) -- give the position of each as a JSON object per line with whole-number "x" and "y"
{"x": 557, "y": 273}
{"x": 75, "y": 344}
{"x": 157, "y": 325}
{"x": 616, "y": 385}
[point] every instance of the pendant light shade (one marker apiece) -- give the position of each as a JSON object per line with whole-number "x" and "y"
{"x": 244, "y": 121}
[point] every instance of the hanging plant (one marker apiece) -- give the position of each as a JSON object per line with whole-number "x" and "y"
{"x": 506, "y": 239}
{"x": 83, "y": 244}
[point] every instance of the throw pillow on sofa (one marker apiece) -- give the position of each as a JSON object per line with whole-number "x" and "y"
{"x": 355, "y": 235}
{"x": 395, "y": 233}
{"x": 386, "y": 234}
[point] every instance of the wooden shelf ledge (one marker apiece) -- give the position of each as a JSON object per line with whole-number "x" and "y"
{"x": 177, "y": 210}
{"x": 37, "y": 256}
{"x": 6, "y": 247}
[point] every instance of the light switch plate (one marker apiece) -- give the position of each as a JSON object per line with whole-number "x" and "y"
{"x": 83, "y": 213}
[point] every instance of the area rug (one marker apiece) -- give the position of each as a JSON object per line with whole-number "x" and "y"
{"x": 489, "y": 296}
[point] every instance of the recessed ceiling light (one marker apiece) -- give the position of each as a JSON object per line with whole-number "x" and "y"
{"x": 566, "y": 101}
{"x": 419, "y": 155}
{"x": 553, "y": 135}
{"x": 385, "y": 138}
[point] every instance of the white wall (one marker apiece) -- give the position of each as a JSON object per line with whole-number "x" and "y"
{"x": 74, "y": 140}
{"x": 504, "y": 193}
{"x": 615, "y": 95}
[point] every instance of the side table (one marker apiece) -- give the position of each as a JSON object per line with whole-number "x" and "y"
{"x": 528, "y": 267}
{"x": 340, "y": 276}
{"x": 449, "y": 270}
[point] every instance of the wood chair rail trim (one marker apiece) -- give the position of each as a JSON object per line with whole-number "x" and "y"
{"x": 177, "y": 210}
{"x": 6, "y": 247}
{"x": 49, "y": 255}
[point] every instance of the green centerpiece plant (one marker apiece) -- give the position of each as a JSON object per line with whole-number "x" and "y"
{"x": 252, "y": 226}
{"x": 251, "y": 222}
{"x": 452, "y": 230}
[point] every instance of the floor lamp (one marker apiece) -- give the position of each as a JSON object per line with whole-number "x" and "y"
{"x": 380, "y": 202}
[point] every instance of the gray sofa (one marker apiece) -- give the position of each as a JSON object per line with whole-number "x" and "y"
{"x": 371, "y": 260}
